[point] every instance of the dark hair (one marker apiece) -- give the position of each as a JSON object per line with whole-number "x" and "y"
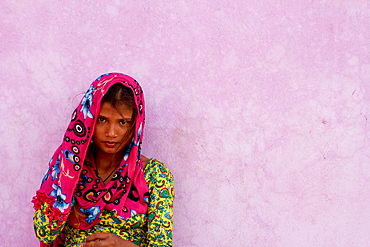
{"x": 119, "y": 95}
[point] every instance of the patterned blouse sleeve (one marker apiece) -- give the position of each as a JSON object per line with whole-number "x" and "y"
{"x": 47, "y": 228}
{"x": 48, "y": 225}
{"x": 160, "y": 210}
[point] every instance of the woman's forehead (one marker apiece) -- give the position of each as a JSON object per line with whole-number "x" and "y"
{"x": 122, "y": 110}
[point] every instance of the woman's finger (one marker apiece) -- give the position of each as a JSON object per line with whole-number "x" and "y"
{"x": 97, "y": 236}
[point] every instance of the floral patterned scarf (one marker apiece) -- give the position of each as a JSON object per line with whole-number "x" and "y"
{"x": 72, "y": 188}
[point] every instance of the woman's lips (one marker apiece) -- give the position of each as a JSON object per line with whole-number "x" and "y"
{"x": 111, "y": 144}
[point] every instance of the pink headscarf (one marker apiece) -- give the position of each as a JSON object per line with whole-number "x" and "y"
{"x": 72, "y": 179}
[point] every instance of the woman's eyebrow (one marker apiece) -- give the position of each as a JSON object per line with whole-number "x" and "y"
{"x": 127, "y": 119}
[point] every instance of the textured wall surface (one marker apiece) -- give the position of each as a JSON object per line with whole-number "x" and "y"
{"x": 259, "y": 108}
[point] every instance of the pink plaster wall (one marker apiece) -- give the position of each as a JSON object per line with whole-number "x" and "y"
{"x": 259, "y": 108}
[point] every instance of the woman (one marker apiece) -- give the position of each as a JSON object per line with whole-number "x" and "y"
{"x": 99, "y": 190}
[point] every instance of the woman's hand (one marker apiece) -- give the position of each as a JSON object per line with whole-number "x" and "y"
{"x": 103, "y": 239}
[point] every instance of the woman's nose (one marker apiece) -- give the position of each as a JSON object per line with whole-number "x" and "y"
{"x": 111, "y": 131}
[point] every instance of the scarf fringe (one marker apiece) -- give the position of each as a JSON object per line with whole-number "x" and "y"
{"x": 54, "y": 213}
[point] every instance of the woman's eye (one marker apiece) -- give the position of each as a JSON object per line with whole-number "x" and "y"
{"x": 101, "y": 120}
{"x": 123, "y": 122}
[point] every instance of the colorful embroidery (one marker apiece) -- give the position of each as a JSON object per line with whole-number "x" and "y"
{"x": 151, "y": 229}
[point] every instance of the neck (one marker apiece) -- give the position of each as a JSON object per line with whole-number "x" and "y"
{"x": 105, "y": 162}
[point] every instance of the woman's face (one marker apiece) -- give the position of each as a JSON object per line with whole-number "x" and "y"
{"x": 111, "y": 130}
